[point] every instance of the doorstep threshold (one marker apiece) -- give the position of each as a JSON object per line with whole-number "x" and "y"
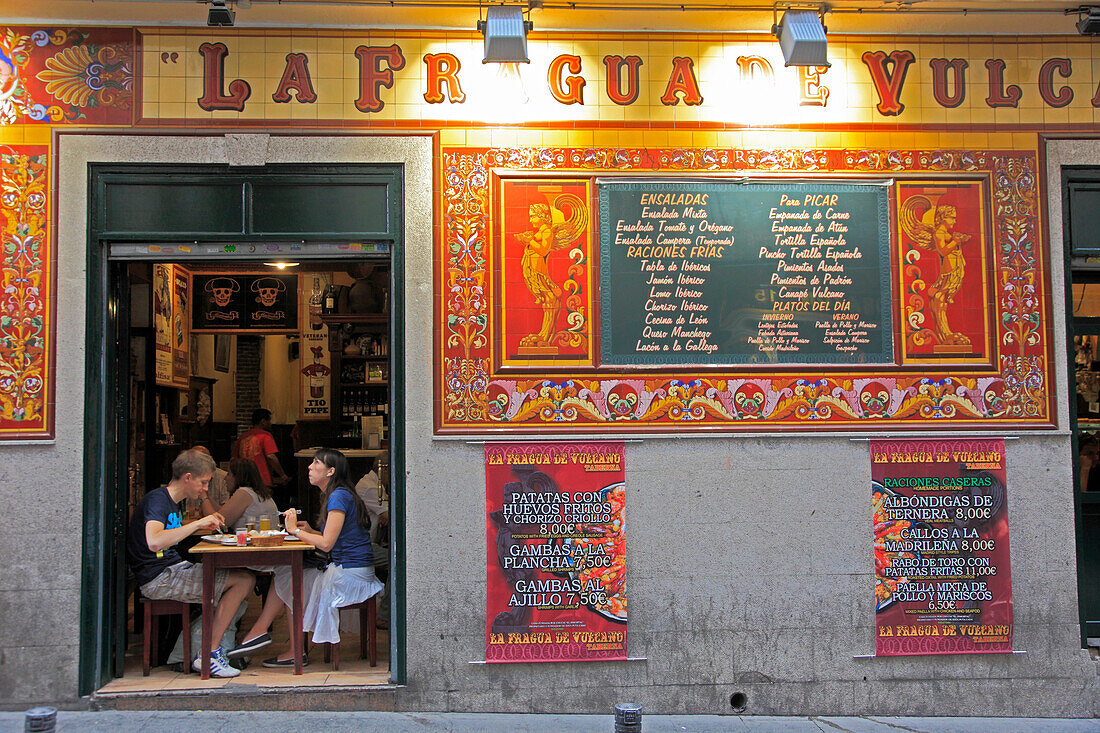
{"x": 334, "y": 698}
{"x": 244, "y": 690}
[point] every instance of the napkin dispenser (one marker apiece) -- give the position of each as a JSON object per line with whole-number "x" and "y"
{"x": 371, "y": 430}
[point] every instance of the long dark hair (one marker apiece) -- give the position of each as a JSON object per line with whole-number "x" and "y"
{"x": 341, "y": 479}
{"x": 245, "y": 473}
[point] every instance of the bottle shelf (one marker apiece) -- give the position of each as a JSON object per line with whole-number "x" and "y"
{"x": 340, "y": 318}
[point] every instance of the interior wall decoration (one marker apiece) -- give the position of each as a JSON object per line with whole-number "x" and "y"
{"x": 28, "y": 305}
{"x": 232, "y": 302}
{"x": 223, "y": 345}
{"x": 969, "y": 306}
{"x": 181, "y": 326}
{"x": 315, "y": 359}
{"x": 172, "y": 324}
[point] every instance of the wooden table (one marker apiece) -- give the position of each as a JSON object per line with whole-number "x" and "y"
{"x": 215, "y": 556}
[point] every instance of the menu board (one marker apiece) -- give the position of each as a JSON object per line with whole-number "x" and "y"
{"x": 942, "y": 578}
{"x": 727, "y": 272}
{"x": 243, "y": 303}
{"x": 555, "y": 535}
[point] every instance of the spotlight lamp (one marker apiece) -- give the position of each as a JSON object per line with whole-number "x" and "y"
{"x": 801, "y": 34}
{"x": 1088, "y": 20}
{"x": 220, "y": 14}
{"x": 505, "y": 33}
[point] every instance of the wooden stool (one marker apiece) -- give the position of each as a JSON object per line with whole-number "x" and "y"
{"x": 154, "y": 608}
{"x": 368, "y": 642}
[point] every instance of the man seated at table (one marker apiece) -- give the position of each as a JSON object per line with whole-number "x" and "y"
{"x": 156, "y": 528}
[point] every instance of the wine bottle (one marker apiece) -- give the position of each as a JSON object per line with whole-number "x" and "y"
{"x": 315, "y": 302}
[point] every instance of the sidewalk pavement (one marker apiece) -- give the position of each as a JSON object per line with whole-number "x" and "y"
{"x": 112, "y": 721}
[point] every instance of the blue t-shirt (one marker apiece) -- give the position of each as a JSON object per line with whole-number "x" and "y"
{"x": 352, "y": 548}
{"x": 157, "y": 506}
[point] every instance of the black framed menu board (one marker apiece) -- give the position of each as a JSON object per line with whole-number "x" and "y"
{"x": 744, "y": 272}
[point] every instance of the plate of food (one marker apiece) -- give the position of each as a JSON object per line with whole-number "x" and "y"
{"x": 599, "y": 557}
{"x": 221, "y": 539}
{"x": 287, "y": 536}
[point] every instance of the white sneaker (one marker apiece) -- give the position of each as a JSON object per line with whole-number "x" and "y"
{"x": 219, "y": 665}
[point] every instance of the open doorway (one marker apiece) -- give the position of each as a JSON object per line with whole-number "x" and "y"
{"x": 1081, "y": 221}
{"x": 1086, "y": 424}
{"x": 212, "y": 290}
{"x": 217, "y": 351}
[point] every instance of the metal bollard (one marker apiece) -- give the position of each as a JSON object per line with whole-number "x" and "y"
{"x": 40, "y": 720}
{"x": 628, "y": 718}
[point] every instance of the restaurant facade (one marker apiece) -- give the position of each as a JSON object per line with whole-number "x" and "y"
{"x": 827, "y": 330}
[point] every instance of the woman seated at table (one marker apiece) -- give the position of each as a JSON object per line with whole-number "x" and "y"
{"x": 349, "y": 577}
{"x": 251, "y": 497}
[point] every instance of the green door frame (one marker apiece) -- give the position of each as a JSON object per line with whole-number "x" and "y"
{"x": 1076, "y": 326}
{"x": 106, "y": 404}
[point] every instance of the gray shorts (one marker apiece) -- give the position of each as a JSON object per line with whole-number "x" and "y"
{"x": 183, "y": 582}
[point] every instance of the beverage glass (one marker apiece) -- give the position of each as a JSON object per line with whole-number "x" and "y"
{"x": 242, "y": 537}
{"x": 265, "y": 522}
{"x": 250, "y": 526}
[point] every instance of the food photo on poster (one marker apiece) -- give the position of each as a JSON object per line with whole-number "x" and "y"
{"x": 942, "y": 577}
{"x": 556, "y": 555}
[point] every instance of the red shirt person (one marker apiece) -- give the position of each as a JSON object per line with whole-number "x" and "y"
{"x": 258, "y": 445}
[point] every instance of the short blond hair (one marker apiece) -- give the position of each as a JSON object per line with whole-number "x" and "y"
{"x": 192, "y": 462}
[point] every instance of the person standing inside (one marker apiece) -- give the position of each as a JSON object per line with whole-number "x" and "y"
{"x": 156, "y": 527}
{"x": 258, "y": 445}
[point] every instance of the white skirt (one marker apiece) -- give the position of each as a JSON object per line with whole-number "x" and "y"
{"x": 284, "y": 583}
{"x": 324, "y": 593}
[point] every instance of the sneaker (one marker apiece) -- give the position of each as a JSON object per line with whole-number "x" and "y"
{"x": 219, "y": 665}
{"x": 277, "y": 663}
{"x": 250, "y": 646}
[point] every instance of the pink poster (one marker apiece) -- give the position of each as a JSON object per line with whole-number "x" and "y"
{"x": 555, "y": 526}
{"x": 942, "y": 578}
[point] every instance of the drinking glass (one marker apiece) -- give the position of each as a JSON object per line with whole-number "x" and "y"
{"x": 265, "y": 522}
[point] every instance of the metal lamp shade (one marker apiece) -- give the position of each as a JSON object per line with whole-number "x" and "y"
{"x": 802, "y": 39}
{"x": 1089, "y": 24}
{"x": 220, "y": 14}
{"x": 505, "y": 35}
